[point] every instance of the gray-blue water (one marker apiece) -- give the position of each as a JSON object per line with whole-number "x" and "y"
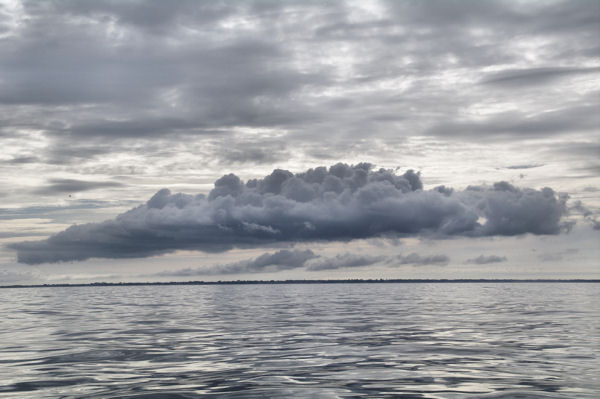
{"x": 469, "y": 340}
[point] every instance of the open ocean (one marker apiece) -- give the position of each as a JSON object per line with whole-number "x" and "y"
{"x": 407, "y": 340}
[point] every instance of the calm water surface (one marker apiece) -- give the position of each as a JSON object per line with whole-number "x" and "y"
{"x": 469, "y": 340}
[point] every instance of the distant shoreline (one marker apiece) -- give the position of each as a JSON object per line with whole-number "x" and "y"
{"x": 351, "y": 281}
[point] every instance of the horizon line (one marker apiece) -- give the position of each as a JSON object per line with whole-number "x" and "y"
{"x": 317, "y": 281}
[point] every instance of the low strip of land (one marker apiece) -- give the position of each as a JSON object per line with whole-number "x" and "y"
{"x": 351, "y": 281}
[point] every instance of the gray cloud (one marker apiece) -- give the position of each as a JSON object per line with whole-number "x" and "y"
{"x": 148, "y": 127}
{"x": 343, "y": 261}
{"x": 23, "y": 160}
{"x": 589, "y": 215}
{"x": 153, "y": 16}
{"x": 486, "y": 259}
{"x": 587, "y": 149}
{"x": 515, "y": 78}
{"x": 59, "y": 186}
{"x": 420, "y": 260}
{"x": 280, "y": 261}
{"x": 267, "y": 262}
{"x": 507, "y": 125}
{"x": 524, "y": 166}
{"x": 129, "y": 70}
{"x": 244, "y": 151}
{"x": 111, "y": 72}
{"x": 578, "y": 207}
{"x": 58, "y": 212}
{"x": 339, "y": 203}
{"x": 22, "y": 233}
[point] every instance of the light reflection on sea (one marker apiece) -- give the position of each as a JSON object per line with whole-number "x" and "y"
{"x": 451, "y": 340}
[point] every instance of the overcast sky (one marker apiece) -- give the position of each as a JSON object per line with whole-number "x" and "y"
{"x": 214, "y": 140}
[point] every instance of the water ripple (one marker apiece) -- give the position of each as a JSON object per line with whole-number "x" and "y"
{"x": 309, "y": 341}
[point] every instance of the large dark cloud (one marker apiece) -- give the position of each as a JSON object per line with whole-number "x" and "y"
{"x": 339, "y": 203}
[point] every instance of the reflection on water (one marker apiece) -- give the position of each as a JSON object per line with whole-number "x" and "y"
{"x": 320, "y": 341}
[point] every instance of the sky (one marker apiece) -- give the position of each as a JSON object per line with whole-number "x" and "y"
{"x": 226, "y": 140}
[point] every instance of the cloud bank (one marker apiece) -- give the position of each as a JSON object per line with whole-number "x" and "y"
{"x": 343, "y": 261}
{"x": 294, "y": 259}
{"x": 339, "y": 203}
{"x": 268, "y": 262}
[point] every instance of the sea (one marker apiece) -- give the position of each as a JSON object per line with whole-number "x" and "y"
{"x": 383, "y": 340}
